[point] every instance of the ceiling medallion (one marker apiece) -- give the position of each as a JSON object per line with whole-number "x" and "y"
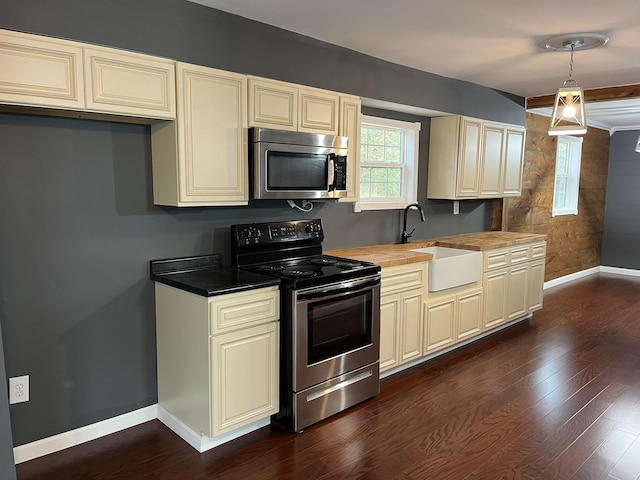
{"x": 580, "y": 41}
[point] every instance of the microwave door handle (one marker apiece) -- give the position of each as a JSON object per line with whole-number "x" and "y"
{"x": 331, "y": 174}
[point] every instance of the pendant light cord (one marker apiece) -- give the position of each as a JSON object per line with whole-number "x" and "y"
{"x": 570, "y": 80}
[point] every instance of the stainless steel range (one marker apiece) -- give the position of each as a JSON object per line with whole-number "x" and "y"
{"x": 330, "y": 318}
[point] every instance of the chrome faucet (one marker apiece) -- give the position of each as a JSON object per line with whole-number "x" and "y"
{"x": 405, "y": 236}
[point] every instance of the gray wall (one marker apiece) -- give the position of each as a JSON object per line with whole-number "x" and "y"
{"x": 78, "y": 222}
{"x": 621, "y": 221}
{"x": 7, "y": 467}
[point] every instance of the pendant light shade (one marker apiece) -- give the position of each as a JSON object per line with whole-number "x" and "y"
{"x": 568, "y": 117}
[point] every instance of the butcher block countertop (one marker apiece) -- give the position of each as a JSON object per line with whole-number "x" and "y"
{"x": 391, "y": 254}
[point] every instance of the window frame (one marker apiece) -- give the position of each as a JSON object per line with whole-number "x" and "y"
{"x": 574, "y": 161}
{"x": 410, "y": 157}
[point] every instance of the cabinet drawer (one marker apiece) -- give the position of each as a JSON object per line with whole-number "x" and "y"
{"x": 538, "y": 250}
{"x": 236, "y": 310}
{"x": 402, "y": 278}
{"x": 519, "y": 254}
{"x": 496, "y": 259}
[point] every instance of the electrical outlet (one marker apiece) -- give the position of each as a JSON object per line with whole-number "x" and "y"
{"x": 19, "y": 389}
{"x": 456, "y": 207}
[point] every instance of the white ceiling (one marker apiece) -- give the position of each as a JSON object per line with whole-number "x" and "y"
{"x": 489, "y": 42}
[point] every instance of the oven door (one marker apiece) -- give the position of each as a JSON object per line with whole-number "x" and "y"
{"x": 336, "y": 329}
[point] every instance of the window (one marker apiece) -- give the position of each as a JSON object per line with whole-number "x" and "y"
{"x": 388, "y": 164}
{"x": 567, "y": 178}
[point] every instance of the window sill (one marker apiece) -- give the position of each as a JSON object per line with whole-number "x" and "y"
{"x": 365, "y": 206}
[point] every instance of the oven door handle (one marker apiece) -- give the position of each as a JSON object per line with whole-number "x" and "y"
{"x": 340, "y": 289}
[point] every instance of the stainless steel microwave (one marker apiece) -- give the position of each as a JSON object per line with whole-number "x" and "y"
{"x": 296, "y": 165}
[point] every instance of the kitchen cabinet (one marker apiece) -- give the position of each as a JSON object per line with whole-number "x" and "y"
{"x": 286, "y": 106}
{"x": 46, "y": 72}
{"x": 513, "y": 280}
{"x": 473, "y": 158}
{"x": 402, "y": 292}
{"x": 451, "y": 316}
{"x": 218, "y": 357}
{"x": 126, "y": 83}
{"x": 350, "y": 121}
{"x": 41, "y": 71}
{"x": 201, "y": 158}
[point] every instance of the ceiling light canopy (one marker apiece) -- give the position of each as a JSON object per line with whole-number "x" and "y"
{"x": 568, "y": 117}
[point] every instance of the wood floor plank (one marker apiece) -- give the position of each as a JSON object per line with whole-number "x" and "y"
{"x": 556, "y": 397}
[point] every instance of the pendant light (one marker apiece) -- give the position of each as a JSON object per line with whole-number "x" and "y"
{"x": 568, "y": 115}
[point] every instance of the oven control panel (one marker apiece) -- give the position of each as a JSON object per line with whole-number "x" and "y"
{"x": 277, "y": 232}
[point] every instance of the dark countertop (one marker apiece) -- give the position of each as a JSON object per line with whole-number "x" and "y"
{"x": 204, "y": 276}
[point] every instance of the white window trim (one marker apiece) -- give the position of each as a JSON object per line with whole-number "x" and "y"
{"x": 573, "y": 185}
{"x": 411, "y": 179}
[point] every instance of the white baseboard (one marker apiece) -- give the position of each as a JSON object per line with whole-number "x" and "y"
{"x": 620, "y": 271}
{"x": 48, "y": 445}
{"x": 569, "y": 278}
{"x": 203, "y": 443}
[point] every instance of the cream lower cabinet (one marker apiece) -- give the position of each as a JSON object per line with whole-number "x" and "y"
{"x": 201, "y": 158}
{"x": 451, "y": 318}
{"x": 218, "y": 357}
{"x": 401, "y": 300}
{"x": 287, "y": 106}
{"x": 46, "y": 72}
{"x": 513, "y": 280}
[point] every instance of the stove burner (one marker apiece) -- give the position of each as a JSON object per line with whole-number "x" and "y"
{"x": 297, "y": 273}
{"x": 347, "y": 265}
{"x": 323, "y": 261}
{"x": 270, "y": 268}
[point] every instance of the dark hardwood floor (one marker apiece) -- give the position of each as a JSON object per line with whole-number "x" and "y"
{"x": 557, "y": 397}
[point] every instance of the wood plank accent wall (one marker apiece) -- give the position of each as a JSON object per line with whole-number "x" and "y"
{"x": 574, "y": 241}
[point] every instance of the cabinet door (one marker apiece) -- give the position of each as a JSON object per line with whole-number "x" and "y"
{"x": 517, "y": 291}
{"x": 469, "y": 158}
{"x": 439, "y": 328}
{"x": 208, "y": 166}
{"x": 244, "y": 383}
{"x": 40, "y": 71}
{"x": 495, "y": 291}
{"x": 129, "y": 84}
{"x": 350, "y": 127}
{"x": 318, "y": 111}
{"x": 389, "y": 329}
{"x": 273, "y": 104}
{"x": 411, "y": 338}
{"x": 513, "y": 162}
{"x": 536, "y": 285}
{"x": 469, "y": 315}
{"x": 491, "y": 163}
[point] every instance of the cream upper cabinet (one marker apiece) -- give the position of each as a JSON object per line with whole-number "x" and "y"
{"x": 273, "y": 104}
{"x": 472, "y": 158}
{"x": 287, "y": 106}
{"x": 350, "y": 120}
{"x": 513, "y": 162}
{"x": 45, "y": 72}
{"x": 318, "y": 111}
{"x": 218, "y": 357}
{"x": 201, "y": 158}
{"x": 491, "y": 160}
{"x": 128, "y": 83}
{"x": 40, "y": 71}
